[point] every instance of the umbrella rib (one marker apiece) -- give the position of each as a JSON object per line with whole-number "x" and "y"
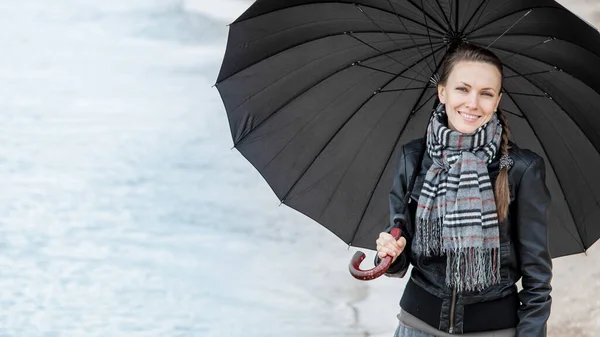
{"x": 413, "y": 111}
{"x": 407, "y": 30}
{"x": 425, "y": 102}
{"x": 530, "y": 57}
{"x": 533, "y": 73}
{"x": 556, "y": 102}
{"x": 513, "y": 13}
{"x": 405, "y": 89}
{"x": 377, "y": 50}
{"x": 425, "y": 17}
{"x": 425, "y": 14}
{"x": 526, "y": 94}
{"x": 333, "y": 2}
{"x": 384, "y": 33}
{"x": 443, "y": 13}
{"x": 359, "y": 64}
{"x": 306, "y": 90}
{"x": 513, "y": 113}
{"x": 316, "y": 115}
{"x": 313, "y": 40}
{"x": 563, "y": 109}
{"x": 509, "y": 28}
{"x": 338, "y": 130}
{"x": 426, "y": 26}
{"x": 445, "y": 25}
{"x": 528, "y": 48}
{"x": 450, "y": 14}
{"x": 580, "y": 239}
{"x": 536, "y": 35}
{"x": 303, "y": 25}
{"x": 343, "y": 68}
{"x": 486, "y": 2}
{"x": 456, "y": 15}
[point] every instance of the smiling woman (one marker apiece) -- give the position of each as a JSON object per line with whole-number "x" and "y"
{"x": 471, "y": 92}
{"x": 467, "y": 242}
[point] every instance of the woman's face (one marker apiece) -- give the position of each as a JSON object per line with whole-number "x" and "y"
{"x": 471, "y": 95}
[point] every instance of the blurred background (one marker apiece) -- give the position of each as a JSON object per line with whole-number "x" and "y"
{"x": 125, "y": 212}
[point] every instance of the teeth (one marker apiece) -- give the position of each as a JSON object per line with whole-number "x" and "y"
{"x": 467, "y": 116}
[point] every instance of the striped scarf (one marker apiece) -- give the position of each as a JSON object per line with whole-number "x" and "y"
{"x": 456, "y": 214}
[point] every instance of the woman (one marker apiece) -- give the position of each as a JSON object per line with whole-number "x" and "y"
{"x": 477, "y": 220}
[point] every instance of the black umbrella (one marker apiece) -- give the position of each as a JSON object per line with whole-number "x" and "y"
{"x": 321, "y": 94}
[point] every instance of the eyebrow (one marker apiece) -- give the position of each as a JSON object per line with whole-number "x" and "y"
{"x": 468, "y": 85}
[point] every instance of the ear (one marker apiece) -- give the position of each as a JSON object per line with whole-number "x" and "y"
{"x": 442, "y": 93}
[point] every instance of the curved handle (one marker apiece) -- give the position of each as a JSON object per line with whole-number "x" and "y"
{"x": 374, "y": 273}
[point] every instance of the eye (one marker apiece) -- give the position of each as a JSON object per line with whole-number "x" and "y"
{"x": 463, "y": 89}
{"x": 489, "y": 94}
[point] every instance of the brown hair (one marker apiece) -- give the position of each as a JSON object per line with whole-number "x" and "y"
{"x": 467, "y": 52}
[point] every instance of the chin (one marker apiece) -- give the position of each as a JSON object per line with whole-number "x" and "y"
{"x": 466, "y": 129}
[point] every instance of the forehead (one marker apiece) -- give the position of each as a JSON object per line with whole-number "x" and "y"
{"x": 479, "y": 74}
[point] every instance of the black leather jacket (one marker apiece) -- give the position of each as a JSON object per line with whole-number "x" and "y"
{"x": 524, "y": 255}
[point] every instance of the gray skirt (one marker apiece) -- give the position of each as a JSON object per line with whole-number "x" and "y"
{"x": 410, "y": 326}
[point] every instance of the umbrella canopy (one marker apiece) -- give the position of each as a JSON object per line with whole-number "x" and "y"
{"x": 320, "y": 95}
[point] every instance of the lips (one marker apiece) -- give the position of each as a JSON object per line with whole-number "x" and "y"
{"x": 468, "y": 117}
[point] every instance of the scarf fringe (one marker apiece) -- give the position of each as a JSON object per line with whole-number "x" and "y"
{"x": 472, "y": 269}
{"x": 428, "y": 238}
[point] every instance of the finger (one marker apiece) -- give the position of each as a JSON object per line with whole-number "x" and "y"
{"x": 393, "y": 244}
{"x": 387, "y": 239}
{"x": 392, "y": 251}
{"x": 386, "y": 249}
{"x": 401, "y": 243}
{"x": 383, "y": 236}
{"x": 383, "y": 239}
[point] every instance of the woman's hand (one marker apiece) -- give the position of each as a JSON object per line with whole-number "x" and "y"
{"x": 387, "y": 245}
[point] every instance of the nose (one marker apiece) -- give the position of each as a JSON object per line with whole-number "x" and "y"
{"x": 472, "y": 101}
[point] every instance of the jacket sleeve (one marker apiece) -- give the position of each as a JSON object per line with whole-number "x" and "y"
{"x": 396, "y": 200}
{"x": 533, "y": 200}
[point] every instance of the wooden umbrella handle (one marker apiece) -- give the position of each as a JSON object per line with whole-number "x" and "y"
{"x": 380, "y": 268}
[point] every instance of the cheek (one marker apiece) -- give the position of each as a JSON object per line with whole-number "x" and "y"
{"x": 488, "y": 108}
{"x": 487, "y": 118}
{"x": 489, "y": 112}
{"x": 456, "y": 100}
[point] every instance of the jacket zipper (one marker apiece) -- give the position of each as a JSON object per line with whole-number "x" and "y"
{"x": 452, "y": 307}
